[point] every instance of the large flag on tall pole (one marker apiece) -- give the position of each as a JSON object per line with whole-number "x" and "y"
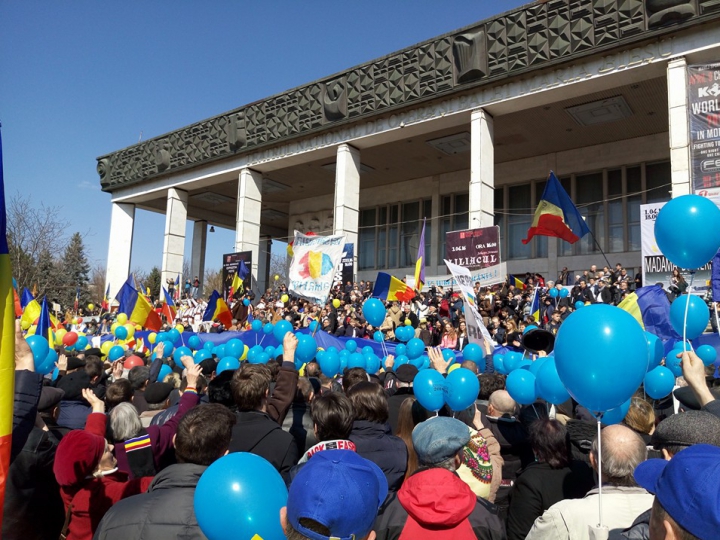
{"x": 105, "y": 306}
{"x": 556, "y": 215}
{"x": 420, "y": 264}
{"x": 137, "y": 307}
{"x": 7, "y": 344}
{"x": 238, "y": 280}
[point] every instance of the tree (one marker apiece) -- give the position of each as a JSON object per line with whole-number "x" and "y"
{"x": 212, "y": 281}
{"x": 75, "y": 272}
{"x": 49, "y": 276}
{"x": 97, "y": 283}
{"x": 154, "y": 282}
{"x": 279, "y": 266}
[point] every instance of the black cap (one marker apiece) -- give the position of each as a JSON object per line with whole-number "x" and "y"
{"x": 406, "y": 373}
{"x": 687, "y": 398}
{"x": 158, "y": 392}
{"x": 73, "y": 385}
{"x": 74, "y": 362}
{"x": 49, "y": 397}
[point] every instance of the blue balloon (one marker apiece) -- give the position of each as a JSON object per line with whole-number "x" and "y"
{"x": 659, "y": 382}
{"x": 194, "y": 343}
{"x": 228, "y": 363}
{"x": 329, "y": 364}
{"x": 548, "y": 383}
{"x": 246, "y": 302}
{"x": 656, "y": 350}
{"x": 278, "y": 351}
{"x": 174, "y": 336}
{"x": 165, "y": 370}
{"x": 564, "y": 293}
{"x": 499, "y": 364}
{"x": 378, "y": 336}
{"x": 115, "y": 353}
{"x": 698, "y": 315}
{"x": 253, "y": 352}
{"x": 219, "y": 351}
{"x": 367, "y": 349}
{"x": 81, "y": 343}
{"x": 48, "y": 364}
{"x": 121, "y": 332}
{"x": 400, "y": 360}
{"x": 417, "y": 361}
{"x": 313, "y": 326}
{"x": 356, "y": 360}
{"x": 372, "y": 363}
{"x": 344, "y": 353}
{"x": 473, "y": 352}
{"x": 55, "y": 374}
{"x": 616, "y": 415}
{"x": 400, "y": 349}
{"x": 209, "y": 346}
{"x": 240, "y": 496}
{"x": 256, "y": 325}
{"x": 512, "y": 360}
{"x": 404, "y": 333}
{"x": 39, "y": 347}
{"x": 673, "y": 363}
{"x": 168, "y": 350}
{"x": 270, "y": 350}
{"x": 351, "y": 345}
{"x": 282, "y": 327}
{"x": 707, "y": 354}
{"x": 461, "y": 389}
{"x": 553, "y": 293}
{"x": 202, "y": 354}
{"x": 179, "y": 353}
{"x": 579, "y": 304}
{"x": 415, "y": 347}
{"x": 264, "y": 358}
{"x": 520, "y": 384}
{"x": 601, "y": 356}
{"x": 374, "y": 311}
{"x": 306, "y": 348}
{"x": 234, "y": 348}
{"x": 267, "y": 328}
{"x": 537, "y": 364}
{"x": 687, "y": 230}
{"x": 449, "y": 354}
{"x": 426, "y": 362}
{"x": 161, "y": 336}
{"x": 429, "y": 389}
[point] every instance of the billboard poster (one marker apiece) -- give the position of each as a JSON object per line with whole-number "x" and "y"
{"x": 344, "y": 269}
{"x": 229, "y": 267}
{"x": 312, "y": 269}
{"x": 473, "y": 248}
{"x": 656, "y": 268}
{"x": 704, "y": 113}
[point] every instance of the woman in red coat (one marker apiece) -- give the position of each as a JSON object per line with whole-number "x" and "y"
{"x": 87, "y": 473}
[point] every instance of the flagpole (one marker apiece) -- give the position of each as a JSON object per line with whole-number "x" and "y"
{"x": 601, "y": 250}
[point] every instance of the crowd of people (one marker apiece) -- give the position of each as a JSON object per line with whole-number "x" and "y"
{"x": 107, "y": 452}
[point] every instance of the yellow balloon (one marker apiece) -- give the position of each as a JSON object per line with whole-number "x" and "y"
{"x": 284, "y": 298}
{"x": 113, "y": 327}
{"x": 408, "y": 322}
{"x": 122, "y": 318}
{"x": 106, "y": 346}
{"x": 277, "y": 277}
{"x": 80, "y": 333}
{"x": 336, "y": 303}
{"x": 244, "y": 354}
{"x": 453, "y": 368}
{"x": 130, "y": 329}
{"x": 151, "y": 337}
{"x": 91, "y": 306}
{"x": 180, "y": 328}
{"x": 25, "y": 325}
{"x": 74, "y": 321}
{"x": 59, "y": 335}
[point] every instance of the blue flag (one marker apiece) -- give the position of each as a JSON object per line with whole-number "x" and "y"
{"x": 715, "y": 277}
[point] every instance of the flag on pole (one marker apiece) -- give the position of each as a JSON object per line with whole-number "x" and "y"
{"x": 44, "y": 323}
{"x": 30, "y": 314}
{"x": 7, "y": 345}
{"x": 535, "y": 306}
{"x": 168, "y": 308}
{"x": 420, "y": 264}
{"x": 26, "y": 298}
{"x": 556, "y": 215}
{"x": 137, "y": 308}
{"x": 519, "y": 283}
{"x": 177, "y": 287}
{"x": 392, "y": 289}
{"x": 105, "y": 306}
{"x": 217, "y": 310}
{"x": 77, "y": 299}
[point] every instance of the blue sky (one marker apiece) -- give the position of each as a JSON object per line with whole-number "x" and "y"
{"x": 83, "y": 78}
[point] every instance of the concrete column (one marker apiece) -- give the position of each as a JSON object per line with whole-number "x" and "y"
{"x": 347, "y": 196}
{"x": 174, "y": 244}
{"x": 199, "y": 244}
{"x": 678, "y": 127}
{"x": 122, "y": 218}
{"x": 263, "y": 265}
{"x": 435, "y": 258}
{"x": 482, "y": 169}
{"x": 247, "y": 221}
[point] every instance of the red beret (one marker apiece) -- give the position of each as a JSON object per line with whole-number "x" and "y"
{"x": 77, "y": 456}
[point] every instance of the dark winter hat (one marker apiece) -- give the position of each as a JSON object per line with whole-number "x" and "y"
{"x": 77, "y": 456}
{"x": 49, "y": 397}
{"x": 75, "y": 363}
{"x": 406, "y": 373}
{"x": 686, "y": 429}
{"x": 687, "y": 399}
{"x": 158, "y": 392}
{"x": 73, "y": 385}
{"x": 439, "y": 438}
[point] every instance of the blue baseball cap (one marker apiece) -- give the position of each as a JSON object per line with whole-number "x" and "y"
{"x": 687, "y": 487}
{"x": 341, "y": 491}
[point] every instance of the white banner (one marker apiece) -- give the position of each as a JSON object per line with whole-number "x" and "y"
{"x": 492, "y": 275}
{"x": 656, "y": 268}
{"x": 312, "y": 268}
{"x": 477, "y": 333}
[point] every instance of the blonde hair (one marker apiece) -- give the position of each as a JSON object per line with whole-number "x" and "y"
{"x": 640, "y": 416}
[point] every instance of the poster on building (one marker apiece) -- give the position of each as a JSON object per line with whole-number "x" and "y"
{"x": 704, "y": 113}
{"x": 229, "y": 267}
{"x": 473, "y": 248}
{"x": 344, "y": 269}
{"x": 656, "y": 268}
{"x": 486, "y": 277}
{"x": 312, "y": 269}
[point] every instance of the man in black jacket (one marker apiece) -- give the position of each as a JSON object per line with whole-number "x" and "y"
{"x": 260, "y": 416}
{"x": 202, "y": 437}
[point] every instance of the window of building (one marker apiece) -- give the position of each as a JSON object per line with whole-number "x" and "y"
{"x": 634, "y": 199}
{"x": 615, "y": 213}
{"x": 454, "y": 216}
{"x": 657, "y": 182}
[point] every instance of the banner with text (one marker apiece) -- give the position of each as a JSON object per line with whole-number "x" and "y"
{"x": 344, "y": 269}
{"x": 229, "y": 267}
{"x": 486, "y": 277}
{"x": 656, "y": 268}
{"x": 704, "y": 112}
{"x": 473, "y": 248}
{"x": 476, "y": 330}
{"x": 312, "y": 268}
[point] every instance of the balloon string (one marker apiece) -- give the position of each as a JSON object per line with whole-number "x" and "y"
{"x": 687, "y": 308}
{"x": 599, "y": 469}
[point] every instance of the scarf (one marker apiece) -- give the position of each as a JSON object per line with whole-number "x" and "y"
{"x": 338, "y": 444}
{"x": 140, "y": 455}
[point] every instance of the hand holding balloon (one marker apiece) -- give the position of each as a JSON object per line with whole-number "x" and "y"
{"x": 693, "y": 371}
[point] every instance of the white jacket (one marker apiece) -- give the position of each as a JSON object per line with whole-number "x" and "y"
{"x": 570, "y": 519}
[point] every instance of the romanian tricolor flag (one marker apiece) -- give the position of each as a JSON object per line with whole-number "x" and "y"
{"x": 30, "y": 313}
{"x": 651, "y": 308}
{"x": 535, "y": 306}
{"x": 44, "y": 324}
{"x": 556, "y": 215}
{"x": 392, "y": 289}
{"x": 519, "y": 283}
{"x": 168, "y": 308}
{"x": 241, "y": 273}
{"x": 7, "y": 344}
{"x": 217, "y": 310}
{"x": 420, "y": 264}
{"x": 105, "y": 306}
{"x": 137, "y": 308}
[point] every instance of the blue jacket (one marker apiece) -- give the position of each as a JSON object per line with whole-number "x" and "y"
{"x": 375, "y": 442}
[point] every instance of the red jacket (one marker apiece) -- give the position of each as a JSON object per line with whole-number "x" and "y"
{"x": 93, "y": 497}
